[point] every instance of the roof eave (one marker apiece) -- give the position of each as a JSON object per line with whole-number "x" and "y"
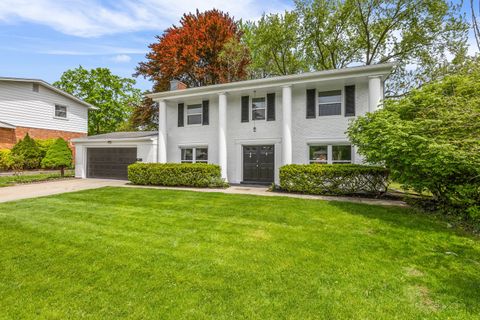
{"x": 379, "y": 69}
{"x": 83, "y": 140}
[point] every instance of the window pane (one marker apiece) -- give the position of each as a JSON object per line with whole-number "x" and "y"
{"x": 201, "y": 155}
{"x": 187, "y": 155}
{"x": 61, "y": 111}
{"x": 258, "y": 108}
{"x": 258, "y": 114}
{"x": 318, "y": 154}
{"x": 331, "y": 109}
{"x": 336, "y": 98}
{"x": 194, "y": 109}
{"x": 194, "y": 119}
{"x": 342, "y": 154}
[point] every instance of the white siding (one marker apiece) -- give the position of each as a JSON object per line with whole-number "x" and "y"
{"x": 21, "y": 106}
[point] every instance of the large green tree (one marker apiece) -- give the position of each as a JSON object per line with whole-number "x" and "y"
{"x": 275, "y": 45}
{"x": 430, "y": 139}
{"x": 421, "y": 36}
{"x": 114, "y": 96}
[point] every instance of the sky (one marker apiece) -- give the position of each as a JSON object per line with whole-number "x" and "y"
{"x": 43, "y": 38}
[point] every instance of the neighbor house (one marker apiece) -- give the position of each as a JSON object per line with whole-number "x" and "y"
{"x": 250, "y": 128}
{"x": 43, "y": 111}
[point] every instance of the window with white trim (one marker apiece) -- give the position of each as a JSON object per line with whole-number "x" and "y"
{"x": 194, "y": 155}
{"x": 330, "y": 154}
{"x": 330, "y": 103}
{"x": 259, "y": 106}
{"x": 341, "y": 154}
{"x": 60, "y": 111}
{"x": 194, "y": 114}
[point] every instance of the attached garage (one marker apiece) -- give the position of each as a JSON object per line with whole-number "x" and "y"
{"x": 107, "y": 156}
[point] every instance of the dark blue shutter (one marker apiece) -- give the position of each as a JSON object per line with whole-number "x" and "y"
{"x": 245, "y": 107}
{"x": 311, "y": 113}
{"x": 271, "y": 107}
{"x": 205, "y": 108}
{"x": 181, "y": 115}
{"x": 349, "y": 101}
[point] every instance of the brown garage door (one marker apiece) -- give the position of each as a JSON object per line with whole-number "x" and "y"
{"x": 110, "y": 163}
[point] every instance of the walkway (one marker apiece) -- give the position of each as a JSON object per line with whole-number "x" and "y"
{"x": 24, "y": 191}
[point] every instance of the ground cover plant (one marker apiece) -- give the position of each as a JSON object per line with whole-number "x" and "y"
{"x": 6, "y": 181}
{"x": 144, "y": 253}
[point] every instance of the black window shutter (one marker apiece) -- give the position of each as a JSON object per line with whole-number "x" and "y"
{"x": 181, "y": 112}
{"x": 311, "y": 103}
{"x": 349, "y": 101}
{"x": 245, "y": 103}
{"x": 271, "y": 107}
{"x": 205, "y": 104}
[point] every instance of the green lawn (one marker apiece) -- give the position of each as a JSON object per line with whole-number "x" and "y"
{"x": 143, "y": 253}
{"x": 6, "y": 181}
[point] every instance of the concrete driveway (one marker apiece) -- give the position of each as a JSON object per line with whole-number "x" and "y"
{"x": 34, "y": 190}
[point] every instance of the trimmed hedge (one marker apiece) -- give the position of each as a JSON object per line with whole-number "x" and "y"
{"x": 334, "y": 179}
{"x": 176, "y": 174}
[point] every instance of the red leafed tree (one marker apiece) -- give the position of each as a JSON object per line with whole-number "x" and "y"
{"x": 194, "y": 52}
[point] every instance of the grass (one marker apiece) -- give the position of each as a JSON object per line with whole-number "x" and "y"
{"x": 144, "y": 253}
{"x": 6, "y": 181}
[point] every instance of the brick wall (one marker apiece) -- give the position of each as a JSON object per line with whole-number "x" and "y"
{"x": 9, "y": 138}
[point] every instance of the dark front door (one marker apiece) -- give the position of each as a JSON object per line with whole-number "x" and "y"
{"x": 110, "y": 163}
{"x": 258, "y": 164}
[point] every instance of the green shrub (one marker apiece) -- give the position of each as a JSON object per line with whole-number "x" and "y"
{"x": 335, "y": 179}
{"x": 58, "y": 156}
{"x": 6, "y": 159}
{"x": 176, "y": 174}
{"x": 44, "y": 145}
{"x": 28, "y": 149}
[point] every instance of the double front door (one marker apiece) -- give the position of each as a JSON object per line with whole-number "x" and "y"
{"x": 258, "y": 164}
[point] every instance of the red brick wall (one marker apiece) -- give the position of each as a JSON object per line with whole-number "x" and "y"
{"x": 7, "y": 140}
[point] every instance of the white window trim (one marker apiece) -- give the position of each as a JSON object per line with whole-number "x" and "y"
{"x": 265, "y": 108}
{"x": 330, "y": 152}
{"x": 55, "y": 112}
{"x": 342, "y": 103}
{"x": 194, "y": 154}
{"x": 201, "y": 115}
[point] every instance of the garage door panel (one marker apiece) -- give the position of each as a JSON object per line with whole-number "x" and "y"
{"x": 110, "y": 162}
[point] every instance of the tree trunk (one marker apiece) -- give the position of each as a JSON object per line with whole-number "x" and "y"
{"x": 62, "y": 171}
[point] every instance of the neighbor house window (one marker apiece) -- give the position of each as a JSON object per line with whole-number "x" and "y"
{"x": 330, "y": 103}
{"x": 35, "y": 87}
{"x": 60, "y": 111}
{"x": 194, "y": 155}
{"x": 194, "y": 114}
{"x": 258, "y": 108}
{"x": 330, "y": 154}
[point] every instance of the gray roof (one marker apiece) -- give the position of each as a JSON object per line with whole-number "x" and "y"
{"x": 51, "y": 87}
{"x": 123, "y": 135}
{"x": 7, "y": 125}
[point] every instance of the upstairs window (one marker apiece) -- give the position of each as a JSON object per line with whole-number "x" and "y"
{"x": 330, "y": 103}
{"x": 194, "y": 114}
{"x": 258, "y": 108}
{"x": 60, "y": 111}
{"x": 194, "y": 155}
{"x": 35, "y": 87}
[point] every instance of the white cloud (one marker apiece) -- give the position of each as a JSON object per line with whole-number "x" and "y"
{"x": 92, "y": 18}
{"x": 121, "y": 58}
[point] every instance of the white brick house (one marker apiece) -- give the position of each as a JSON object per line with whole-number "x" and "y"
{"x": 249, "y": 128}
